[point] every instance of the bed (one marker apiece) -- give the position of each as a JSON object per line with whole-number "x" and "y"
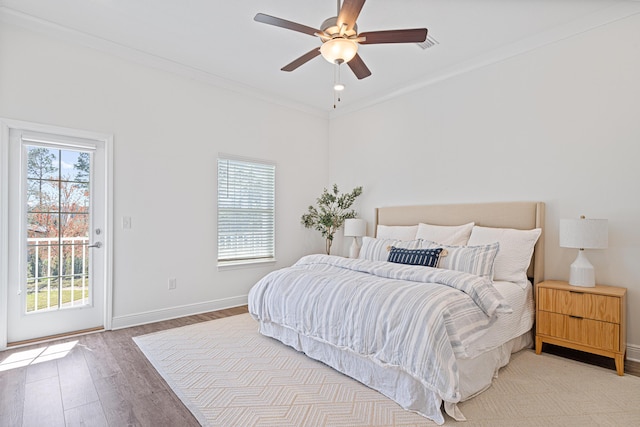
{"x": 427, "y": 336}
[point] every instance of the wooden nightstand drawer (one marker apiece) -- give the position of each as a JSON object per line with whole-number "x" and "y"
{"x": 592, "y": 333}
{"x": 581, "y": 304}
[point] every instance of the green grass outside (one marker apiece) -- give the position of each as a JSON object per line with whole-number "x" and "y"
{"x": 42, "y": 298}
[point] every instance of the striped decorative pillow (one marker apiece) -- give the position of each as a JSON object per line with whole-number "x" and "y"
{"x": 478, "y": 260}
{"x": 378, "y": 249}
{"x": 426, "y": 257}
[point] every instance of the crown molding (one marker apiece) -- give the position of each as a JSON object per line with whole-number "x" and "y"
{"x": 51, "y": 29}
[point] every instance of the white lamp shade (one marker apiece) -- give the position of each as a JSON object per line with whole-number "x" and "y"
{"x": 355, "y": 227}
{"x": 584, "y": 233}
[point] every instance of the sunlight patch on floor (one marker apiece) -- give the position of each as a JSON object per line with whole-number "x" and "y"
{"x": 37, "y": 355}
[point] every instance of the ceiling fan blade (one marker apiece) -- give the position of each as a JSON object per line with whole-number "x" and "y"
{"x": 302, "y": 60}
{"x": 283, "y": 23}
{"x": 349, "y": 13}
{"x": 416, "y": 35}
{"x": 358, "y": 67}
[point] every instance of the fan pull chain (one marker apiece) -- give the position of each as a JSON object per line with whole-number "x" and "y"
{"x": 337, "y": 86}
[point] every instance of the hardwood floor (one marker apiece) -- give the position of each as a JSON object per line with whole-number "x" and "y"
{"x": 105, "y": 380}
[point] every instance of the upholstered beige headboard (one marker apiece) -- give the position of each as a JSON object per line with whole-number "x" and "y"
{"x": 520, "y": 215}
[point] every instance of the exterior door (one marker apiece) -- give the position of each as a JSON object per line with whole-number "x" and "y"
{"x": 56, "y": 245}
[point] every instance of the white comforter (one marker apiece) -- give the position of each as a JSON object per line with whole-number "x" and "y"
{"x": 416, "y": 319}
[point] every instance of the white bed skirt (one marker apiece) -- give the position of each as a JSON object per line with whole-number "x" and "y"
{"x": 475, "y": 374}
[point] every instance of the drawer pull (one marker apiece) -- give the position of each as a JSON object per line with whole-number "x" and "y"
{"x": 576, "y": 317}
{"x": 576, "y": 292}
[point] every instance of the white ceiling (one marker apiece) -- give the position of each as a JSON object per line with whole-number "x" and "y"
{"x": 219, "y": 41}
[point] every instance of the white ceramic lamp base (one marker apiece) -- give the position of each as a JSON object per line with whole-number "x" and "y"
{"x": 582, "y": 273}
{"x": 354, "y": 250}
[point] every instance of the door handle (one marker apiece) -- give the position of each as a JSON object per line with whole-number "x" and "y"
{"x": 96, "y": 245}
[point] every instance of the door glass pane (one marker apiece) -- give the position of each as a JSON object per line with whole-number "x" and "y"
{"x": 43, "y": 164}
{"x": 41, "y": 226}
{"x": 42, "y": 294}
{"x": 58, "y": 202}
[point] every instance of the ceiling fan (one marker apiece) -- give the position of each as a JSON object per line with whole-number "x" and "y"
{"x": 340, "y": 37}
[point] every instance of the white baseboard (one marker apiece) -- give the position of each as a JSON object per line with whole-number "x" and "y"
{"x": 633, "y": 352}
{"x": 136, "y": 319}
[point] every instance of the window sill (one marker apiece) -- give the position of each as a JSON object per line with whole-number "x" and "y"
{"x": 233, "y": 265}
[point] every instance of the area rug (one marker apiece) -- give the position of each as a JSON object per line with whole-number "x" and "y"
{"x": 227, "y": 374}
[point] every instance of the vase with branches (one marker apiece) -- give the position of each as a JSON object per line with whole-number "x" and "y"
{"x": 330, "y": 213}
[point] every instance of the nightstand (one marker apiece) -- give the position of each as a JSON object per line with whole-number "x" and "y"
{"x": 586, "y": 319}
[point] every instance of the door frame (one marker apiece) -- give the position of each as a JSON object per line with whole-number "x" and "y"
{"x": 6, "y": 125}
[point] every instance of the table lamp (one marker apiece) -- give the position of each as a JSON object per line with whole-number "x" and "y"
{"x": 583, "y": 234}
{"x": 355, "y": 227}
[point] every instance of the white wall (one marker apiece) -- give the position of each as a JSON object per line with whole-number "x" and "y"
{"x": 168, "y": 131}
{"x": 560, "y": 124}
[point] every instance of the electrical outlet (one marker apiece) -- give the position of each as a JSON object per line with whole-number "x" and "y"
{"x": 172, "y": 283}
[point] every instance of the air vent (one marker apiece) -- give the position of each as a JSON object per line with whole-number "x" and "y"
{"x": 429, "y": 42}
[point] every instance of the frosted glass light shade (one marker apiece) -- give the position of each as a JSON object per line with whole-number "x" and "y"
{"x": 584, "y": 233}
{"x": 339, "y": 49}
{"x": 355, "y": 227}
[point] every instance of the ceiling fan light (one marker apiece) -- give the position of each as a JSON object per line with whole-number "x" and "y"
{"x": 339, "y": 50}
{"x": 338, "y": 87}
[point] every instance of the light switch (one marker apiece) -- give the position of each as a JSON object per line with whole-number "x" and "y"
{"x": 126, "y": 222}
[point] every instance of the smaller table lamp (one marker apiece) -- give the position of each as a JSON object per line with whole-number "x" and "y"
{"x": 355, "y": 227}
{"x": 583, "y": 234}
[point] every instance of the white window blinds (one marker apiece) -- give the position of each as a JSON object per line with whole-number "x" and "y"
{"x": 246, "y": 210}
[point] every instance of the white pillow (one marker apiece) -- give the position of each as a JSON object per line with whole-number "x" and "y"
{"x": 478, "y": 260}
{"x": 378, "y": 249}
{"x": 516, "y": 248}
{"x": 455, "y": 235}
{"x": 398, "y": 232}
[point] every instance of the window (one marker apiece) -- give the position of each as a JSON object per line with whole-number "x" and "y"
{"x": 246, "y": 210}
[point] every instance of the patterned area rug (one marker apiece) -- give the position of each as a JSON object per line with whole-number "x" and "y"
{"x": 227, "y": 374}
